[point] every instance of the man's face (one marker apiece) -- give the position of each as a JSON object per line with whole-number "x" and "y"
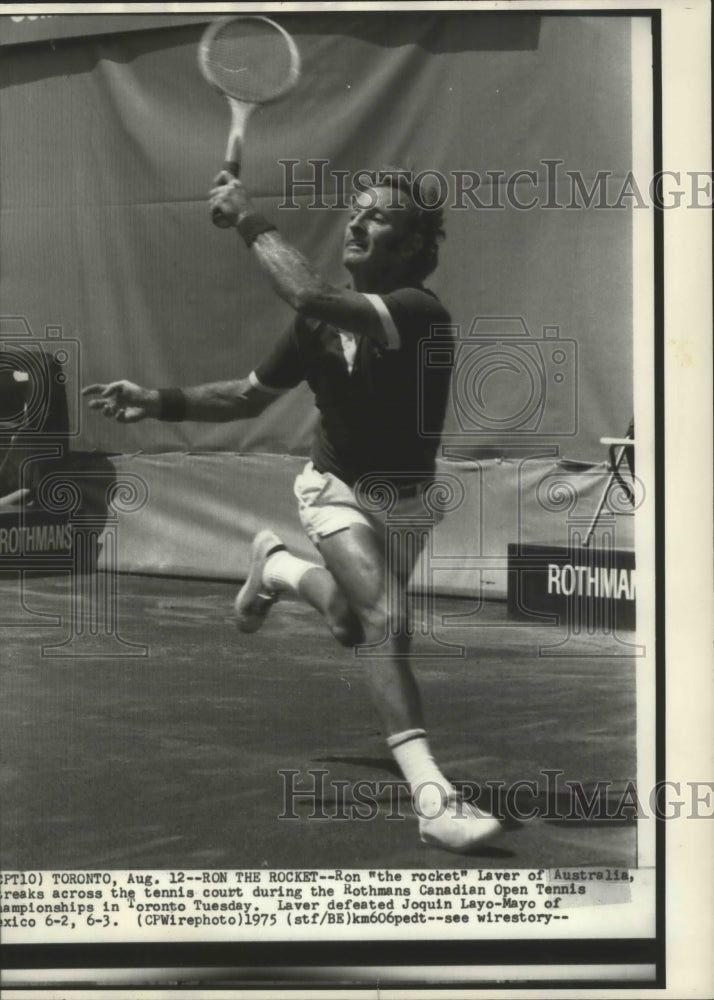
{"x": 378, "y": 239}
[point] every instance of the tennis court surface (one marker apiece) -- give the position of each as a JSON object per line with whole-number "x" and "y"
{"x": 185, "y": 758}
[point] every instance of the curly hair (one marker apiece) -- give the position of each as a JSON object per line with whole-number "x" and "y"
{"x": 427, "y": 215}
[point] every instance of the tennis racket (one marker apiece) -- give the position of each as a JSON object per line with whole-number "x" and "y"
{"x": 252, "y": 61}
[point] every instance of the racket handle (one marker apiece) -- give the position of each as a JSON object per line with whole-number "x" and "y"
{"x": 231, "y": 167}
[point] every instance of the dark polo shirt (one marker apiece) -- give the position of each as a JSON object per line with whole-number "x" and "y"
{"x": 372, "y": 416}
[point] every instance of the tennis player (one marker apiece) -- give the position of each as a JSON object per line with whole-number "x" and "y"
{"x": 357, "y": 348}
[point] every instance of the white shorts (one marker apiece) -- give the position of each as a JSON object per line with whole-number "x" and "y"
{"x": 327, "y": 505}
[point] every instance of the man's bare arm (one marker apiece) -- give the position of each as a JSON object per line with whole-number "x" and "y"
{"x": 295, "y": 279}
{"x": 215, "y": 402}
{"x": 299, "y": 284}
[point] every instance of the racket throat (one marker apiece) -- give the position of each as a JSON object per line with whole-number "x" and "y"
{"x": 240, "y": 112}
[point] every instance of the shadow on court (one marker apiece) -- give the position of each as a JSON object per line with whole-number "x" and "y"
{"x": 174, "y": 759}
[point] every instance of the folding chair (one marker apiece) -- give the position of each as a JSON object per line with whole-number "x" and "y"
{"x": 619, "y": 450}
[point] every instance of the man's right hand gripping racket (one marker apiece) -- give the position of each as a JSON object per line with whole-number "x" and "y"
{"x": 252, "y": 61}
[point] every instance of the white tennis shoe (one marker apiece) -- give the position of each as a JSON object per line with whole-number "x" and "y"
{"x": 460, "y": 826}
{"x": 255, "y": 599}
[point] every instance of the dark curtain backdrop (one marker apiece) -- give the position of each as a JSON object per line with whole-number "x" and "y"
{"x": 109, "y": 144}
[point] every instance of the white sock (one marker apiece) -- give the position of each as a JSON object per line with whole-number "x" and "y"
{"x": 429, "y": 787}
{"x": 284, "y": 571}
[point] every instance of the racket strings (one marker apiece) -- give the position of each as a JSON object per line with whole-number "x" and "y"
{"x": 251, "y": 62}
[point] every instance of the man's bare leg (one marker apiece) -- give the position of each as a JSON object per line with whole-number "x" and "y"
{"x": 272, "y": 570}
{"x": 355, "y": 559}
{"x": 353, "y": 594}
